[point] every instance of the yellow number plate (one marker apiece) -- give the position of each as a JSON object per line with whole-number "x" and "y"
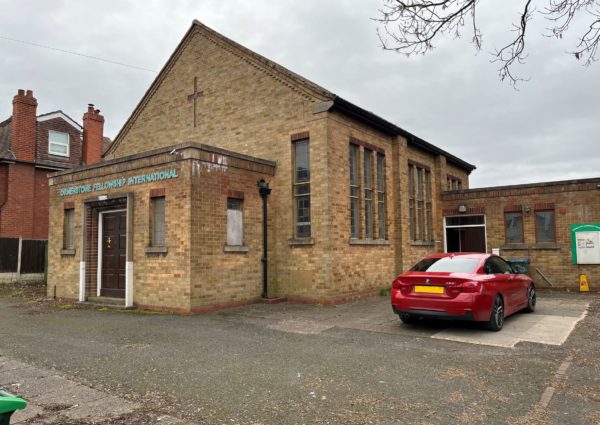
{"x": 429, "y": 289}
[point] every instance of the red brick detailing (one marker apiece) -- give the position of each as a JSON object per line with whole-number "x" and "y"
{"x": 69, "y": 205}
{"x": 543, "y": 206}
{"x": 419, "y": 165}
{"x": 157, "y": 193}
{"x": 235, "y": 194}
{"x": 24, "y": 126}
{"x": 364, "y": 144}
{"x": 93, "y": 128}
{"x": 300, "y": 136}
{"x": 513, "y": 208}
{"x": 473, "y": 210}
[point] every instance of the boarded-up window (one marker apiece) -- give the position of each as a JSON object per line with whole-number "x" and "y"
{"x": 544, "y": 226}
{"x": 69, "y": 229}
{"x": 158, "y": 221}
{"x": 235, "y": 222}
{"x": 514, "y": 227}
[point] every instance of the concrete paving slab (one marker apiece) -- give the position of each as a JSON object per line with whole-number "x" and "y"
{"x": 540, "y": 328}
{"x": 300, "y": 326}
{"x": 21, "y": 416}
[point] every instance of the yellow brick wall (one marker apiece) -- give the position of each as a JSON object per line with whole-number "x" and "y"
{"x": 573, "y": 204}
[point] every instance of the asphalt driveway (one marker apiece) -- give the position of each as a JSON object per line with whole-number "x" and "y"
{"x": 290, "y": 364}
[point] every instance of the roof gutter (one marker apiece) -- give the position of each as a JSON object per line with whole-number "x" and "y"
{"x": 387, "y": 127}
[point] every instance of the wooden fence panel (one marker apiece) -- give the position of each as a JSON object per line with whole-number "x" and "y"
{"x": 9, "y": 255}
{"x": 33, "y": 256}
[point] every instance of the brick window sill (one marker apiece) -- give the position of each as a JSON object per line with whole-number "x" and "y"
{"x": 369, "y": 242}
{"x": 301, "y": 242}
{"x": 240, "y": 249}
{"x": 514, "y": 247}
{"x": 65, "y": 252}
{"x": 156, "y": 250}
{"x": 550, "y": 246}
{"x": 422, "y": 243}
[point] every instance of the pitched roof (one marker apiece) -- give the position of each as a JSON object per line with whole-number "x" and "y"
{"x": 5, "y": 135}
{"x": 337, "y": 102}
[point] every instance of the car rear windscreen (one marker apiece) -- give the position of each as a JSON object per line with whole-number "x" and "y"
{"x": 447, "y": 265}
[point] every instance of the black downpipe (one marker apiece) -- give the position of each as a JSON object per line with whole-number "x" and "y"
{"x": 264, "y": 191}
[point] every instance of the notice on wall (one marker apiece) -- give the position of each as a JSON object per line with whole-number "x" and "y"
{"x": 586, "y": 243}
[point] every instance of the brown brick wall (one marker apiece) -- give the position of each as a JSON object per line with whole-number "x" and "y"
{"x": 573, "y": 203}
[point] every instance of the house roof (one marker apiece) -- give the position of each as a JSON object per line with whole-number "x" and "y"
{"x": 5, "y": 135}
{"x": 6, "y": 152}
{"x": 336, "y": 102}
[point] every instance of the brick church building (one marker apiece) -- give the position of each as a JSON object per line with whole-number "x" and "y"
{"x": 172, "y": 217}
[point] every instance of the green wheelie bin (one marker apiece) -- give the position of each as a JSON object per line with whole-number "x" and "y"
{"x": 8, "y": 404}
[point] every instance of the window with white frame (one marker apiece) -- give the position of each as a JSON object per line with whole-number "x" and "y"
{"x": 58, "y": 143}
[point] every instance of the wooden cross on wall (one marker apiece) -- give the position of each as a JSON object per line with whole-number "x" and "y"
{"x": 194, "y": 96}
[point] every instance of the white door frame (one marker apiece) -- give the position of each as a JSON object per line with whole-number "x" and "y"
{"x": 484, "y": 225}
{"x": 100, "y": 237}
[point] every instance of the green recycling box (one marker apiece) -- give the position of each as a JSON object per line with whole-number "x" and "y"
{"x": 8, "y": 404}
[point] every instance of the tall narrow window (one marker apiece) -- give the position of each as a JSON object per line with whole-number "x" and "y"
{"x": 302, "y": 188}
{"x": 419, "y": 196}
{"x": 69, "y": 229}
{"x": 420, "y": 203}
{"x": 368, "y": 179}
{"x": 428, "y": 213}
{"x": 412, "y": 224}
{"x": 354, "y": 191}
{"x": 235, "y": 222}
{"x": 158, "y": 221}
{"x": 544, "y": 226}
{"x": 381, "y": 195}
{"x": 514, "y": 227}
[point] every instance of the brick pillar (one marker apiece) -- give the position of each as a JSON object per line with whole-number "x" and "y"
{"x": 24, "y": 126}
{"x": 93, "y": 129}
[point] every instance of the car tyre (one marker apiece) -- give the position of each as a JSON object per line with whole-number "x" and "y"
{"x": 497, "y": 315}
{"x": 408, "y": 319}
{"x": 531, "y": 299}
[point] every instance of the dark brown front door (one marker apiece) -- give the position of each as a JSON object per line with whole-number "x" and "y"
{"x": 114, "y": 241}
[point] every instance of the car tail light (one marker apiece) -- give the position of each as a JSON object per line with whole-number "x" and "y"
{"x": 471, "y": 287}
{"x": 402, "y": 286}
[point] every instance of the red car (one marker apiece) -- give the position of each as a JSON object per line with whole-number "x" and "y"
{"x": 463, "y": 286}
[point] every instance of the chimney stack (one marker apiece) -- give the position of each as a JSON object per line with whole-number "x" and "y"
{"x": 93, "y": 129}
{"x": 24, "y": 126}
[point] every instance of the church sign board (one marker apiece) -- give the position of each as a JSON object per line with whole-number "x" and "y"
{"x": 585, "y": 239}
{"x": 120, "y": 182}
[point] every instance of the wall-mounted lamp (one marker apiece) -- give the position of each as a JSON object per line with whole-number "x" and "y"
{"x": 462, "y": 208}
{"x": 527, "y": 210}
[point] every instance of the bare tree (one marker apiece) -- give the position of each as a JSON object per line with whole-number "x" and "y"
{"x": 411, "y": 26}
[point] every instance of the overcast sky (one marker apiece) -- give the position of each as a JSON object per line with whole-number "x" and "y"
{"x": 548, "y": 130}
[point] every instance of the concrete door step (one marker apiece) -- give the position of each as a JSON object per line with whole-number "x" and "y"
{"x": 106, "y": 301}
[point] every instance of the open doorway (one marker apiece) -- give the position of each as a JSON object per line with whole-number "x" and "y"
{"x": 465, "y": 233}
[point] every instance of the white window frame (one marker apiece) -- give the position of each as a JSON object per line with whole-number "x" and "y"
{"x": 51, "y": 142}
{"x": 484, "y": 225}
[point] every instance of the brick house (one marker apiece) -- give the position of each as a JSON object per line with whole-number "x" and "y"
{"x": 172, "y": 217}
{"x": 31, "y": 146}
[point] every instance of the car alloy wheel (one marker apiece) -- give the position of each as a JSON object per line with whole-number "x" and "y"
{"x": 497, "y": 315}
{"x": 531, "y": 300}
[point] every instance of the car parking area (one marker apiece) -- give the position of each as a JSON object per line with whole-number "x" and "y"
{"x": 288, "y": 363}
